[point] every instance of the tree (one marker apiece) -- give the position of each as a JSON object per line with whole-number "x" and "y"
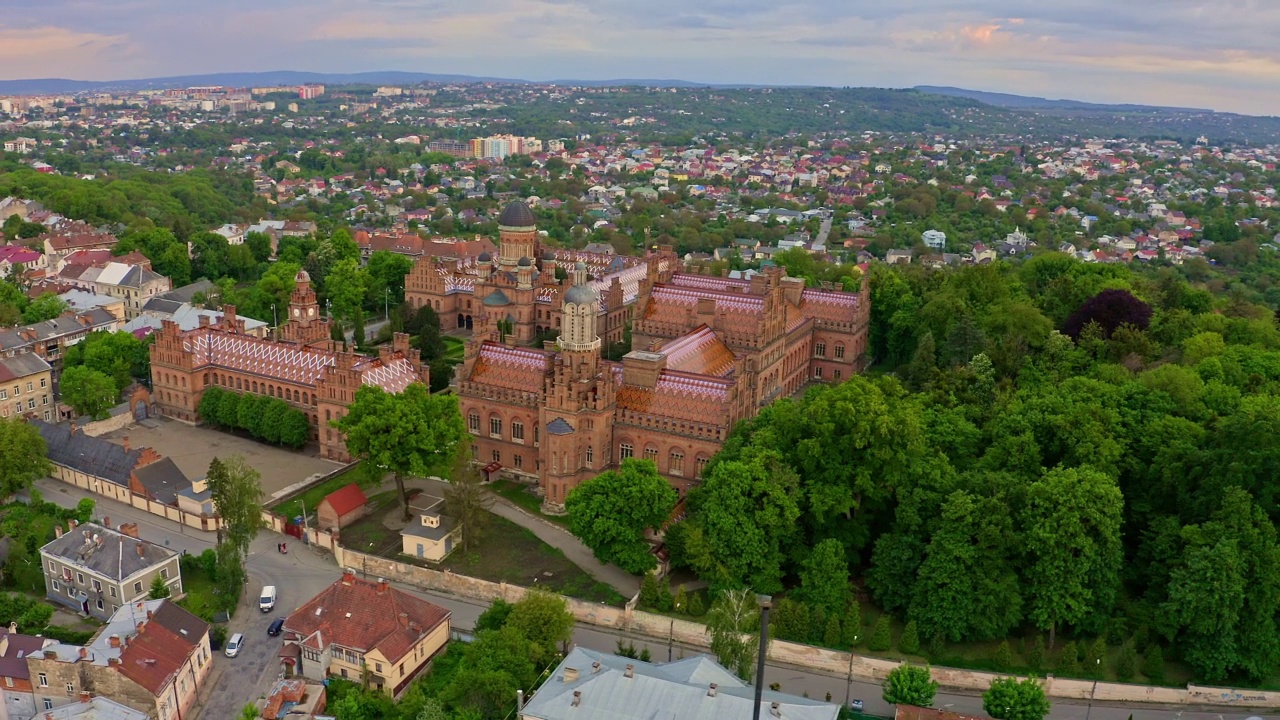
{"x": 345, "y": 287}
{"x": 159, "y": 589}
{"x": 544, "y": 618}
{"x": 831, "y": 635}
{"x": 236, "y": 491}
{"x": 1004, "y": 656}
{"x": 824, "y": 578}
{"x": 357, "y": 327}
{"x": 852, "y": 625}
{"x": 1153, "y": 664}
{"x": 734, "y": 625}
{"x": 909, "y": 643}
{"x": 46, "y": 307}
{"x": 22, "y": 456}
{"x": 1072, "y": 535}
{"x": 1110, "y": 309}
{"x": 249, "y": 712}
{"x": 467, "y": 500}
{"x": 1126, "y": 663}
{"x": 612, "y": 512}
{"x": 89, "y": 392}
{"x": 1013, "y": 699}
{"x": 881, "y": 635}
{"x": 909, "y": 684}
{"x": 409, "y": 433}
{"x": 119, "y": 354}
{"x": 430, "y": 341}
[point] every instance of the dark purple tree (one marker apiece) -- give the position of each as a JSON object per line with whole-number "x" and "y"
{"x": 1110, "y": 309}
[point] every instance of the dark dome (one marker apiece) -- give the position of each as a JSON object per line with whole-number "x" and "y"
{"x": 484, "y": 257}
{"x": 525, "y": 262}
{"x": 549, "y": 256}
{"x": 581, "y": 295}
{"x": 517, "y": 214}
{"x": 497, "y": 298}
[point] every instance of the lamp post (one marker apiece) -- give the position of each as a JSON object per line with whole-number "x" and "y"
{"x": 848, "y": 684}
{"x": 275, "y": 320}
{"x": 766, "y": 602}
{"x": 386, "y": 305}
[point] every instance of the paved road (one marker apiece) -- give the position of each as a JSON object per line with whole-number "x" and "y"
{"x": 302, "y": 573}
{"x": 823, "y": 231}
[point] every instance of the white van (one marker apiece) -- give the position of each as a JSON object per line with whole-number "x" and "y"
{"x": 234, "y": 644}
{"x": 268, "y": 599}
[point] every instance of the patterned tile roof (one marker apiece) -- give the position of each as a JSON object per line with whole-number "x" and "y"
{"x": 559, "y": 426}
{"x": 700, "y": 352}
{"x": 393, "y": 377}
{"x": 513, "y": 368}
{"x": 709, "y": 282}
{"x": 670, "y": 304}
{"x": 680, "y": 396}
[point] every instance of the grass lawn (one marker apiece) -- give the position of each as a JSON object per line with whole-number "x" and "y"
{"x": 512, "y": 554}
{"x": 453, "y": 348}
{"x": 369, "y": 534}
{"x": 521, "y": 495}
{"x": 201, "y": 597}
{"x": 312, "y": 497}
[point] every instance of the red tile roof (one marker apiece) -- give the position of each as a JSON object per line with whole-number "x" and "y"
{"x": 346, "y": 499}
{"x": 365, "y": 616}
{"x": 154, "y": 657}
{"x": 512, "y": 368}
{"x": 700, "y": 352}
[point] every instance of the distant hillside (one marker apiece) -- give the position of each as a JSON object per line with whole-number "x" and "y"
{"x": 1007, "y": 100}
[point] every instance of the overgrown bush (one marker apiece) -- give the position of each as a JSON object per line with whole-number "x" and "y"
{"x": 266, "y": 418}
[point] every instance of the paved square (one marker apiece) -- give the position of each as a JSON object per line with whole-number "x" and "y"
{"x": 193, "y": 448}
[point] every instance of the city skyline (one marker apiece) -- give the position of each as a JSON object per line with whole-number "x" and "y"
{"x": 1183, "y": 53}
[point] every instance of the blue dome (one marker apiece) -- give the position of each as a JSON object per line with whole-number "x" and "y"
{"x": 497, "y": 298}
{"x": 582, "y": 295}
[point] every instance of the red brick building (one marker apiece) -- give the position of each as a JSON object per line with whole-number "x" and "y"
{"x": 301, "y": 366}
{"x": 341, "y": 508}
{"x": 706, "y": 353}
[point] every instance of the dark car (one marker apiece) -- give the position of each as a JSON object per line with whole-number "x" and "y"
{"x": 275, "y": 627}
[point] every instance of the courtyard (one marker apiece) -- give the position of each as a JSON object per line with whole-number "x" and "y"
{"x": 193, "y": 448}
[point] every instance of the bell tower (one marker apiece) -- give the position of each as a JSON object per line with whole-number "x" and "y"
{"x": 305, "y": 324}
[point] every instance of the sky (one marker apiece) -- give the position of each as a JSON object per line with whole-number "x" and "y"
{"x": 1219, "y": 54}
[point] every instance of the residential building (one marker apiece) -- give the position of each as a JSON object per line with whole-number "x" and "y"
{"x": 186, "y": 316}
{"x": 295, "y": 699}
{"x": 151, "y": 656}
{"x": 591, "y": 684}
{"x": 21, "y": 261}
{"x": 135, "y": 284}
{"x": 706, "y": 352}
{"x": 134, "y": 476}
{"x": 50, "y": 339}
{"x": 356, "y": 625}
{"x": 93, "y": 707}
{"x": 433, "y": 535}
{"x": 302, "y": 366}
{"x": 58, "y": 244}
{"x": 26, "y": 387}
{"x": 82, "y": 300}
{"x": 95, "y": 570}
{"x": 934, "y": 239}
{"x": 17, "y": 698}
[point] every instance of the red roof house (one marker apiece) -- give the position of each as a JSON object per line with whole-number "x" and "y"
{"x": 341, "y": 508}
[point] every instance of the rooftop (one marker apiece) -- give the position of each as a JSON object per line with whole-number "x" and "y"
{"x": 106, "y": 552}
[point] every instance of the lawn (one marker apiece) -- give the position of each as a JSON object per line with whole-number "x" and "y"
{"x": 522, "y": 495}
{"x": 312, "y": 497}
{"x": 453, "y": 348}
{"x": 369, "y": 534}
{"x": 509, "y": 553}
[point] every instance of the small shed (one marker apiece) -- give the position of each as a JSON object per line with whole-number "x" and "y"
{"x": 341, "y": 507}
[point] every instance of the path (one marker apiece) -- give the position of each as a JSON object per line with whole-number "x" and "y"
{"x": 557, "y": 537}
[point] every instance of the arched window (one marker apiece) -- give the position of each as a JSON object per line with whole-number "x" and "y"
{"x": 839, "y": 351}
{"x": 702, "y": 464}
{"x": 255, "y": 387}
{"x": 651, "y": 453}
{"x": 517, "y": 430}
{"x": 591, "y": 457}
{"x": 495, "y": 427}
{"x": 675, "y": 464}
{"x": 327, "y": 415}
{"x": 625, "y": 450}
{"x": 473, "y": 421}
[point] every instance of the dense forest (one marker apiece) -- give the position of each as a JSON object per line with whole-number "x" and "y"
{"x": 1052, "y": 451}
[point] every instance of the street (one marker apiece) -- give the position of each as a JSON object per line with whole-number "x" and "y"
{"x": 303, "y": 572}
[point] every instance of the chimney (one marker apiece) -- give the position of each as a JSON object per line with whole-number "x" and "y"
{"x": 13, "y": 627}
{"x": 570, "y": 675}
{"x": 130, "y": 529}
{"x": 630, "y": 671}
{"x": 84, "y": 653}
{"x": 404, "y": 617}
{"x": 57, "y": 529}
{"x": 50, "y": 655}
{"x": 126, "y": 444}
{"x": 113, "y": 641}
{"x": 348, "y": 577}
{"x": 85, "y": 696}
{"x": 150, "y": 614}
{"x": 113, "y": 661}
{"x": 595, "y": 667}
{"x": 711, "y": 691}
{"x": 383, "y": 585}
{"x": 73, "y": 523}
{"x": 106, "y": 522}
{"x": 141, "y": 550}
{"x": 577, "y": 698}
{"x": 73, "y": 427}
{"x": 141, "y": 626}
{"x": 775, "y": 710}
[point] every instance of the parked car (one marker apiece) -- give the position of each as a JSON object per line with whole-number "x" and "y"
{"x": 234, "y": 644}
{"x": 275, "y": 627}
{"x": 855, "y": 705}
{"x": 268, "y": 599}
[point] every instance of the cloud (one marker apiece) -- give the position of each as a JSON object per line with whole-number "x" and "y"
{"x": 1184, "y": 52}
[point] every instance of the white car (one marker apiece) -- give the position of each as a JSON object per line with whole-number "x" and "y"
{"x": 234, "y": 644}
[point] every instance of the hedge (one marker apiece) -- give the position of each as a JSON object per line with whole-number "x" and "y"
{"x": 265, "y": 418}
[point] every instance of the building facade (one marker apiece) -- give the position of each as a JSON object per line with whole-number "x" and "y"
{"x": 26, "y": 387}
{"x": 706, "y": 352}
{"x": 96, "y": 570}
{"x": 301, "y": 366}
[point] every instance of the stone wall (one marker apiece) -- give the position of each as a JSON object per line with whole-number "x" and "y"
{"x": 687, "y": 632}
{"x": 111, "y": 424}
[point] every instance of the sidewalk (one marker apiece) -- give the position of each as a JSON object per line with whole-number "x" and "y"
{"x": 557, "y": 537}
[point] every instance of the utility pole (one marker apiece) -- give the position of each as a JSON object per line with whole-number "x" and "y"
{"x": 671, "y": 634}
{"x": 386, "y": 305}
{"x": 766, "y": 602}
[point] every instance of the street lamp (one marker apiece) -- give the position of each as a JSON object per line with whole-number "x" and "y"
{"x": 275, "y": 320}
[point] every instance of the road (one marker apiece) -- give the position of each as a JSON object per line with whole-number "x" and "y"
{"x": 303, "y": 572}
{"x": 823, "y": 231}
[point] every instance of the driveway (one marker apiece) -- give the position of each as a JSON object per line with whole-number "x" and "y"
{"x": 192, "y": 449}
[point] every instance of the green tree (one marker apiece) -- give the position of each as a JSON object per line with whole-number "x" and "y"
{"x": 46, "y": 307}
{"x": 22, "y": 456}
{"x": 881, "y": 635}
{"x": 249, "y": 712}
{"x": 696, "y": 608}
{"x": 544, "y": 618}
{"x": 1126, "y": 663}
{"x": 1013, "y": 699}
{"x": 734, "y": 626}
{"x": 1037, "y": 654}
{"x": 119, "y": 354}
{"x": 411, "y": 433}
{"x": 1003, "y": 658}
{"x": 467, "y": 500}
{"x": 831, "y": 635}
{"x": 909, "y": 643}
{"x": 1094, "y": 657}
{"x": 1072, "y": 534}
{"x": 89, "y": 392}
{"x": 612, "y": 512}
{"x": 1153, "y": 664}
{"x": 495, "y": 616}
{"x": 852, "y": 625}
{"x": 236, "y": 491}
{"x": 909, "y": 684}
{"x": 159, "y": 589}
{"x": 824, "y": 577}
{"x": 345, "y": 287}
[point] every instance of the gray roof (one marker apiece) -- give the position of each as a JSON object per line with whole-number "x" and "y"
{"x": 98, "y": 708}
{"x": 91, "y": 455}
{"x": 163, "y": 480}
{"x": 95, "y": 319}
{"x": 559, "y": 427}
{"x": 186, "y": 292}
{"x": 582, "y": 295}
{"x": 517, "y": 214}
{"x": 417, "y": 529}
{"x": 83, "y": 299}
{"x": 106, "y": 552}
{"x": 676, "y": 691}
{"x": 21, "y": 366}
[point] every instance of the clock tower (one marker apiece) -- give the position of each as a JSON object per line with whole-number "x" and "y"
{"x": 304, "y": 324}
